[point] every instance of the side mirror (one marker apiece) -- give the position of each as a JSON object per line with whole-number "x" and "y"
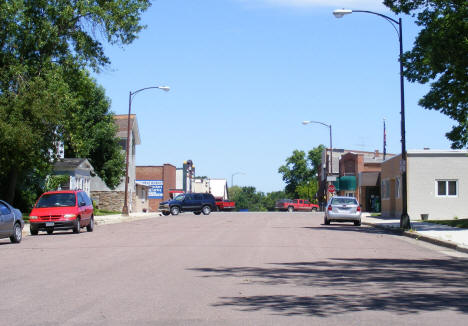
{"x": 82, "y": 203}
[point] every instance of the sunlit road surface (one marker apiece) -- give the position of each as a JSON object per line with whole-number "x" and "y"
{"x": 231, "y": 269}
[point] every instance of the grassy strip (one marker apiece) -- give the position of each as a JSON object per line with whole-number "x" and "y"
{"x": 101, "y": 212}
{"x": 460, "y": 223}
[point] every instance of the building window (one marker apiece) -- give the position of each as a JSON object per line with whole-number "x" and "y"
{"x": 385, "y": 189}
{"x": 397, "y": 187}
{"x": 447, "y": 188}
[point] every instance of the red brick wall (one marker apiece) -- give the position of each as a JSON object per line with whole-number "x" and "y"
{"x": 167, "y": 173}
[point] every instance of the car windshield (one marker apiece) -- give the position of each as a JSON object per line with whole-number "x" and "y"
{"x": 344, "y": 201}
{"x": 57, "y": 200}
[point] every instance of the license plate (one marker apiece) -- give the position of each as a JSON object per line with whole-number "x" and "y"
{"x": 49, "y": 224}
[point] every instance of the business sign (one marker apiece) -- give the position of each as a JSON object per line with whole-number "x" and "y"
{"x": 156, "y": 188}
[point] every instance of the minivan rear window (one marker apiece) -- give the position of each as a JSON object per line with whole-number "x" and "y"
{"x": 57, "y": 200}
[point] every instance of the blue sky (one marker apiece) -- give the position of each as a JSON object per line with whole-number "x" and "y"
{"x": 244, "y": 74}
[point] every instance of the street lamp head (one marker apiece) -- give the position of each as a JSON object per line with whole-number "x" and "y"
{"x": 165, "y": 88}
{"x": 339, "y": 13}
{"x": 306, "y": 122}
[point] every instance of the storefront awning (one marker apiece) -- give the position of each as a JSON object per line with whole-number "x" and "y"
{"x": 369, "y": 179}
{"x": 347, "y": 182}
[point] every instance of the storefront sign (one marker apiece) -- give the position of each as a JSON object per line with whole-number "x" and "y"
{"x": 156, "y": 188}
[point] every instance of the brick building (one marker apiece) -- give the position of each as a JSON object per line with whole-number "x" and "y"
{"x": 359, "y": 176}
{"x": 160, "y": 179}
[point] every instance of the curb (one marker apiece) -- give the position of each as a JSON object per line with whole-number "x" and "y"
{"x": 417, "y": 236}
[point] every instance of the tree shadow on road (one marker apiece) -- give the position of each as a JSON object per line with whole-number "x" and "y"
{"x": 402, "y": 286}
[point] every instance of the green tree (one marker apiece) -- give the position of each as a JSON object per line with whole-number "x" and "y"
{"x": 300, "y": 173}
{"x": 41, "y": 42}
{"x": 28, "y": 119}
{"x": 89, "y": 130}
{"x": 439, "y": 56}
{"x": 247, "y": 198}
{"x": 315, "y": 158}
{"x": 296, "y": 171}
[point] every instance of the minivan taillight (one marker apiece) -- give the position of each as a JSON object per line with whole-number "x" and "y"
{"x": 329, "y": 207}
{"x": 359, "y": 208}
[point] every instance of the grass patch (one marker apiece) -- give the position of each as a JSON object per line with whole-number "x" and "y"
{"x": 459, "y": 223}
{"x": 101, "y": 212}
{"x": 375, "y": 214}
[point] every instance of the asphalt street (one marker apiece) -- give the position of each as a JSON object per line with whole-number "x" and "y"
{"x": 231, "y": 269}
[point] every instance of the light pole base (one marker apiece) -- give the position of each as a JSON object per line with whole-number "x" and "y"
{"x": 405, "y": 223}
{"x": 125, "y": 210}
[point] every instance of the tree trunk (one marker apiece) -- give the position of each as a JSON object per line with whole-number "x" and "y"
{"x": 12, "y": 179}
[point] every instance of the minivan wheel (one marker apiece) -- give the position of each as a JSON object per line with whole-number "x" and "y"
{"x": 76, "y": 227}
{"x": 326, "y": 221}
{"x": 175, "y": 210}
{"x": 166, "y": 213}
{"x": 206, "y": 210}
{"x": 90, "y": 226}
{"x": 17, "y": 235}
{"x": 357, "y": 223}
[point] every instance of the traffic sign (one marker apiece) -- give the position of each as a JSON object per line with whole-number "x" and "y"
{"x": 331, "y": 189}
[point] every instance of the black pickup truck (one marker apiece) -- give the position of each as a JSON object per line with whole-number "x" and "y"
{"x": 193, "y": 202}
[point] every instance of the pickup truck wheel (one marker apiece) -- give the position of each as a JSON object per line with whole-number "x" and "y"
{"x": 175, "y": 210}
{"x": 17, "y": 235}
{"x": 290, "y": 209}
{"x": 197, "y": 213}
{"x": 50, "y": 231}
{"x": 206, "y": 210}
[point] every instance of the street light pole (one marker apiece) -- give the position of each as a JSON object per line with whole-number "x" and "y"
{"x": 404, "y": 218}
{"x": 330, "y": 172}
{"x": 232, "y": 177}
{"x": 127, "y": 147}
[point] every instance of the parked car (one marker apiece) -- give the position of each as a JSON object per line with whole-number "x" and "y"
{"x": 61, "y": 210}
{"x": 292, "y": 205}
{"x": 11, "y": 222}
{"x": 343, "y": 209}
{"x": 196, "y": 203}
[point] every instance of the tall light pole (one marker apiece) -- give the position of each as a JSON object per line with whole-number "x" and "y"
{"x": 329, "y": 171}
{"x": 130, "y": 97}
{"x": 404, "y": 218}
{"x": 331, "y": 144}
{"x": 232, "y": 177}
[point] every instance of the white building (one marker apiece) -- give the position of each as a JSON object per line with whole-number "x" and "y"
{"x": 437, "y": 185}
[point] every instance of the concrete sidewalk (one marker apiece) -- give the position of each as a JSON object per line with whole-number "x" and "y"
{"x": 119, "y": 218}
{"x": 443, "y": 235}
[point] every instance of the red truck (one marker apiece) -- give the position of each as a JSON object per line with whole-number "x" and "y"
{"x": 225, "y": 205}
{"x": 292, "y": 205}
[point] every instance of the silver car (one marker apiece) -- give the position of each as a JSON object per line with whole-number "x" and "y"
{"x": 11, "y": 222}
{"x": 343, "y": 209}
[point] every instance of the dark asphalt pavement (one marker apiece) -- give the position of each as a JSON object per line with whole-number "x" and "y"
{"x": 231, "y": 269}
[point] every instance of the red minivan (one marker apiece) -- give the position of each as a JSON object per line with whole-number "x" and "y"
{"x": 61, "y": 210}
